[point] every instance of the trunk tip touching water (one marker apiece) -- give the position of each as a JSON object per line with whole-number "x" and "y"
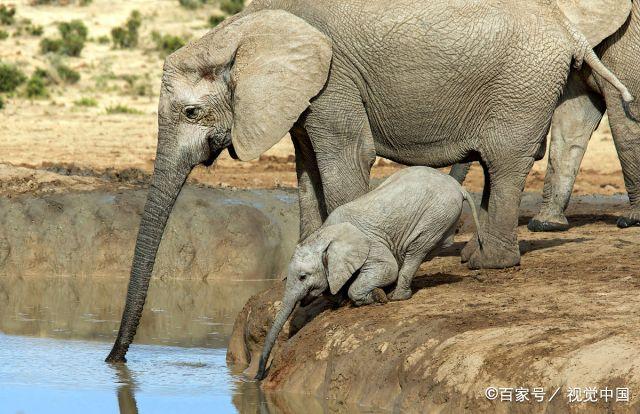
{"x": 270, "y": 340}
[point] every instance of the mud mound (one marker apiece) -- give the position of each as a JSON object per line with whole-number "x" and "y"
{"x": 568, "y": 318}
{"x": 213, "y": 233}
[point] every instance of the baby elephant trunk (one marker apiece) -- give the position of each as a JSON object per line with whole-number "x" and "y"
{"x": 474, "y": 213}
{"x": 278, "y": 323}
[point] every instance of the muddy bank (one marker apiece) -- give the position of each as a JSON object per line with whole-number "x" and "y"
{"x": 212, "y": 234}
{"x": 568, "y": 317}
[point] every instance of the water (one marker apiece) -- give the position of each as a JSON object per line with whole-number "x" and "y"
{"x": 56, "y": 332}
{"x": 40, "y": 375}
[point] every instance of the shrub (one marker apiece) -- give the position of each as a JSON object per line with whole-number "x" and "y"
{"x": 1, "y": 102}
{"x": 215, "y": 20}
{"x": 87, "y": 102}
{"x": 3, "y": 34}
{"x": 191, "y": 4}
{"x": 122, "y": 109}
{"x": 59, "y": 2}
{"x": 7, "y": 15}
{"x": 232, "y": 6}
{"x": 73, "y": 35}
{"x": 126, "y": 37}
{"x": 36, "y": 87}
{"x": 167, "y": 44}
{"x": 66, "y": 74}
{"x": 35, "y": 30}
{"x": 136, "y": 86}
{"x": 10, "y": 77}
{"x": 103, "y": 40}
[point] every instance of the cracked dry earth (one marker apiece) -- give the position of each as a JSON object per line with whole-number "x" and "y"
{"x": 568, "y": 317}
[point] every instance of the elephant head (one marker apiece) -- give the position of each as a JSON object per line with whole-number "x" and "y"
{"x": 326, "y": 259}
{"x": 241, "y": 87}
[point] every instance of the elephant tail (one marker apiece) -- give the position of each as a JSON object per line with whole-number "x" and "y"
{"x": 584, "y": 53}
{"x": 474, "y": 213}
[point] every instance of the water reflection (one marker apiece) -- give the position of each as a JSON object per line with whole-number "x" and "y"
{"x": 183, "y": 313}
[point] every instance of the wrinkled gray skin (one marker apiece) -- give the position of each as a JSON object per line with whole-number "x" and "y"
{"x": 582, "y": 106}
{"x": 382, "y": 236}
{"x": 418, "y": 82}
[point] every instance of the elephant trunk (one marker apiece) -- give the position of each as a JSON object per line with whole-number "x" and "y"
{"x": 168, "y": 179}
{"x": 287, "y": 308}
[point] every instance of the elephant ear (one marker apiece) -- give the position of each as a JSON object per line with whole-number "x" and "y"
{"x": 345, "y": 254}
{"x": 280, "y": 63}
{"x": 596, "y": 19}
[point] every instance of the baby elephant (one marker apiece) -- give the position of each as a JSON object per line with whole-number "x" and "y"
{"x": 395, "y": 226}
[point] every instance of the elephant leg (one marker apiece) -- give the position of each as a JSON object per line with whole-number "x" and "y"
{"x": 573, "y": 123}
{"x": 459, "y": 171}
{"x": 626, "y": 136}
{"x": 343, "y": 143}
{"x": 472, "y": 244}
{"x": 313, "y": 211}
{"x": 405, "y": 276}
{"x": 380, "y": 270}
{"x": 499, "y": 237}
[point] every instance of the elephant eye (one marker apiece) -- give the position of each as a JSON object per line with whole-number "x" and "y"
{"x": 302, "y": 276}
{"x": 191, "y": 112}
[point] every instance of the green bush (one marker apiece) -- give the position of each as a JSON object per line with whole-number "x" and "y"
{"x": 231, "y": 6}
{"x": 59, "y": 2}
{"x": 122, "y": 109}
{"x": 73, "y": 34}
{"x": 3, "y": 34}
{"x": 167, "y": 44}
{"x": 137, "y": 86}
{"x": 126, "y": 37}
{"x": 191, "y": 4}
{"x": 103, "y": 40}
{"x": 10, "y": 77}
{"x": 215, "y": 20}
{"x": 35, "y": 30}
{"x": 87, "y": 102}
{"x": 36, "y": 87}
{"x": 7, "y": 15}
{"x": 1, "y": 102}
{"x": 66, "y": 74}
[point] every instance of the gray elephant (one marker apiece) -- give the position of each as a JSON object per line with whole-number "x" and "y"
{"x": 613, "y": 25}
{"x": 377, "y": 239}
{"x": 418, "y": 82}
{"x": 583, "y": 104}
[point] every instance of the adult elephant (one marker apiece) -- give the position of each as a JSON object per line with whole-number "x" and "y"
{"x": 614, "y": 26}
{"x": 418, "y": 82}
{"x": 586, "y": 98}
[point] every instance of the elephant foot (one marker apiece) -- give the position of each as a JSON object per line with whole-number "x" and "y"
{"x": 379, "y": 296}
{"x": 495, "y": 255}
{"x": 548, "y": 222}
{"x": 116, "y": 357}
{"x": 469, "y": 249}
{"x": 629, "y": 219}
{"x": 400, "y": 294}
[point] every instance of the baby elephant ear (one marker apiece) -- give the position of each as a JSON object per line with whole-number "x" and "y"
{"x": 347, "y": 251}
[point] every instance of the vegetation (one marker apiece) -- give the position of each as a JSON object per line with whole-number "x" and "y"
{"x": 59, "y": 2}
{"x": 36, "y": 87}
{"x": 73, "y": 35}
{"x": 126, "y": 37}
{"x": 166, "y": 43}
{"x": 7, "y": 15}
{"x": 191, "y": 4}
{"x": 65, "y": 73}
{"x": 3, "y": 34}
{"x": 86, "y": 102}
{"x": 215, "y": 20}
{"x": 103, "y": 40}
{"x": 137, "y": 86}
{"x": 231, "y": 6}
{"x": 10, "y": 77}
{"x": 1, "y": 102}
{"x": 122, "y": 109}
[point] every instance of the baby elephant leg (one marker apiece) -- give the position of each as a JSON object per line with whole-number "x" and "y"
{"x": 367, "y": 288}
{"x": 405, "y": 277}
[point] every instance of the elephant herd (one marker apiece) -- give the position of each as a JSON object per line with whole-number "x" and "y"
{"x": 422, "y": 83}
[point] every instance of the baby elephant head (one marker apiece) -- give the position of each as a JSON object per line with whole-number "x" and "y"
{"x": 326, "y": 259}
